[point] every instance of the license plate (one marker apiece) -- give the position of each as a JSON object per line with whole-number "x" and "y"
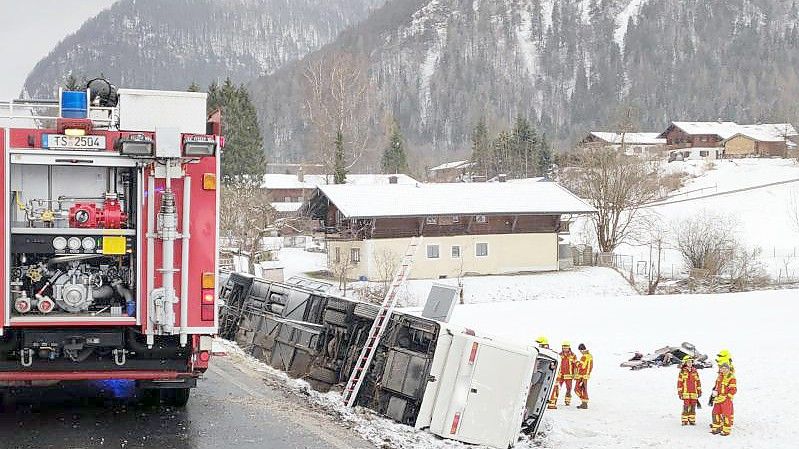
{"x": 64, "y": 142}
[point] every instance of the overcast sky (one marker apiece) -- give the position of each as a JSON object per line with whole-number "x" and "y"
{"x": 30, "y": 29}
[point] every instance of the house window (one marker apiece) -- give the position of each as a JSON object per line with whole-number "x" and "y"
{"x": 355, "y": 255}
{"x": 431, "y": 220}
{"x": 481, "y": 249}
{"x": 456, "y": 252}
{"x": 432, "y": 251}
{"x": 704, "y": 153}
{"x": 299, "y": 199}
{"x": 287, "y": 199}
{"x": 456, "y": 218}
{"x": 337, "y": 257}
{"x": 480, "y": 219}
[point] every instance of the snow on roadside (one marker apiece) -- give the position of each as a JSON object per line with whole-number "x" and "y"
{"x": 382, "y": 432}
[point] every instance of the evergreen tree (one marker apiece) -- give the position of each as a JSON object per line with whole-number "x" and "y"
{"x": 502, "y": 154}
{"x": 339, "y": 167}
{"x": 243, "y": 159}
{"x": 544, "y": 157}
{"x": 481, "y": 149}
{"x": 394, "y": 158}
{"x": 72, "y": 84}
{"x": 193, "y": 87}
{"x": 524, "y": 148}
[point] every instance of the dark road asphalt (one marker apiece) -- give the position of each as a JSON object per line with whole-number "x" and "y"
{"x": 231, "y": 408}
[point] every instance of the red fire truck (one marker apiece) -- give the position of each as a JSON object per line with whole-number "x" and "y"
{"x": 110, "y": 222}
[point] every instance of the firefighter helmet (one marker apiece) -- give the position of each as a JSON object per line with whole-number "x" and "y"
{"x": 566, "y": 344}
{"x": 542, "y": 340}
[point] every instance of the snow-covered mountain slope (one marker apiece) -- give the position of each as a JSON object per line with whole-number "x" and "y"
{"x": 571, "y": 65}
{"x": 169, "y": 44}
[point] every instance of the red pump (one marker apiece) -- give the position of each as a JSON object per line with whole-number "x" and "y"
{"x": 88, "y": 215}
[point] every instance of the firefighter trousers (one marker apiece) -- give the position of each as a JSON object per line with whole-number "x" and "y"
{"x": 556, "y": 392}
{"x": 723, "y": 416}
{"x": 581, "y": 389}
{"x": 689, "y": 411}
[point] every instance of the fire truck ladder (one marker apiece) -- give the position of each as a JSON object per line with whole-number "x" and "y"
{"x": 379, "y": 326}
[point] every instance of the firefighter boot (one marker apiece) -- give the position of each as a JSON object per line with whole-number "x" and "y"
{"x": 715, "y": 428}
{"x": 568, "y": 400}
{"x": 583, "y": 406}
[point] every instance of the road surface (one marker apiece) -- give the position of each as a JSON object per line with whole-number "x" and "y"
{"x": 231, "y": 408}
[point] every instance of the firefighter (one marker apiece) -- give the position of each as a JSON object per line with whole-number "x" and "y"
{"x": 722, "y": 395}
{"x": 689, "y": 388}
{"x": 584, "y": 368}
{"x": 543, "y": 342}
{"x": 565, "y": 375}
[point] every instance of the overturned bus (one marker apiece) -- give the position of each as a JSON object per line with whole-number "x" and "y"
{"x": 425, "y": 374}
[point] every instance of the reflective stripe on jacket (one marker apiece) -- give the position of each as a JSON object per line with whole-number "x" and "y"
{"x": 567, "y": 365}
{"x": 726, "y": 387}
{"x": 688, "y": 384}
{"x": 585, "y": 366}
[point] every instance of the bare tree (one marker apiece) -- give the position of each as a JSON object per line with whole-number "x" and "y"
{"x": 245, "y": 216}
{"x": 338, "y": 103}
{"x": 706, "y": 241}
{"x": 745, "y": 268}
{"x": 655, "y": 236}
{"x": 793, "y": 209}
{"x": 617, "y": 186}
{"x": 340, "y": 263}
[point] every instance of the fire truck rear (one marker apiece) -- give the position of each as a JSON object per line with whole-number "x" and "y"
{"x": 110, "y": 221}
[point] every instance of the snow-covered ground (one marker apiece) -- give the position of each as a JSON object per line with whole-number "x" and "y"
{"x": 760, "y": 213}
{"x": 633, "y": 409}
{"x": 637, "y": 409}
{"x": 582, "y": 282}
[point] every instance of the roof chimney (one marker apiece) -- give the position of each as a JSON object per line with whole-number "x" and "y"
{"x": 502, "y": 177}
{"x": 393, "y": 179}
{"x": 300, "y": 175}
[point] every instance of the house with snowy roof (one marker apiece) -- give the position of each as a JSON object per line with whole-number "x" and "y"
{"x": 466, "y": 228}
{"x": 455, "y": 171}
{"x": 766, "y": 140}
{"x": 642, "y": 144}
{"x": 698, "y": 134}
{"x": 287, "y": 192}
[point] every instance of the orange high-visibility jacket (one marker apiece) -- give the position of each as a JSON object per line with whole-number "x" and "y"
{"x": 585, "y": 366}
{"x": 726, "y": 387}
{"x": 688, "y": 384}
{"x": 568, "y": 360}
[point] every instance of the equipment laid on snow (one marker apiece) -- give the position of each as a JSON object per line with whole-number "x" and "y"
{"x": 424, "y": 373}
{"x": 109, "y": 248}
{"x": 666, "y": 356}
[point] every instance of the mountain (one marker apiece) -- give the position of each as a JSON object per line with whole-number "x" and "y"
{"x": 168, "y": 44}
{"x": 571, "y": 66}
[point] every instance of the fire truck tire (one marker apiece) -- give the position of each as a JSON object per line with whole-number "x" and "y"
{"x": 175, "y": 397}
{"x": 6, "y": 401}
{"x": 149, "y": 397}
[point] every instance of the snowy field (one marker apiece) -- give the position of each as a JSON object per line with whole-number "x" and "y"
{"x": 580, "y": 282}
{"x": 628, "y": 409}
{"x": 761, "y": 214}
{"x": 577, "y": 282}
{"x": 632, "y": 409}
{"x": 640, "y": 409}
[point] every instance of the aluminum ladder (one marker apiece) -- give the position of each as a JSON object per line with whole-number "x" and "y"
{"x": 379, "y": 326}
